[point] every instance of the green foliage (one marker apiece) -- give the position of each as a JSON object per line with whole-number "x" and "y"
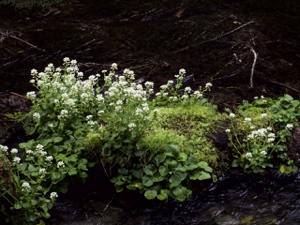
{"x": 168, "y": 174}
{"x": 259, "y": 131}
{"x": 21, "y": 4}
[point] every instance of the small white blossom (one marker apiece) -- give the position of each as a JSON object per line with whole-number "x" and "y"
{"x": 188, "y": 89}
{"x": 39, "y": 147}
{"x": 182, "y": 72}
{"x": 227, "y": 130}
{"x": 263, "y": 153}
{"x": 26, "y": 186}
{"x": 232, "y": 115}
{"x": 114, "y": 66}
{"x": 53, "y": 195}
{"x": 4, "y": 149}
{"x": 289, "y": 126}
{"x": 36, "y": 116}
{"x": 49, "y": 158}
{"x": 247, "y": 119}
{"x": 208, "y": 85}
{"x": 263, "y": 115}
{"x": 14, "y": 151}
{"x": 131, "y": 126}
{"x": 29, "y": 152}
{"x": 248, "y": 155}
{"x": 42, "y": 170}
{"x": 60, "y": 164}
{"x": 16, "y": 160}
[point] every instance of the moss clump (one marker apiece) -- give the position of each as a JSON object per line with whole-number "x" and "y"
{"x": 189, "y": 127}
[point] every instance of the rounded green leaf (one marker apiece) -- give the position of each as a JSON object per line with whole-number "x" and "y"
{"x": 160, "y": 158}
{"x": 182, "y": 157}
{"x": 163, "y": 170}
{"x": 147, "y": 181}
{"x": 150, "y": 169}
{"x": 150, "y": 194}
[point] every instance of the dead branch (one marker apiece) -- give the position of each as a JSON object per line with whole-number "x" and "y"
{"x": 253, "y": 66}
{"x": 215, "y": 38}
{"x": 283, "y": 85}
{"x": 21, "y": 40}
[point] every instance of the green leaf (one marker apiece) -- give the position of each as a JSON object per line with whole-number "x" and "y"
{"x": 137, "y": 172}
{"x": 147, "y": 181}
{"x": 158, "y": 178}
{"x": 57, "y": 139}
{"x": 150, "y": 169}
{"x": 204, "y": 176}
{"x": 177, "y": 178}
{"x": 17, "y": 205}
{"x": 205, "y": 166}
{"x": 123, "y": 171}
{"x": 159, "y": 158}
{"x": 72, "y": 171}
{"x": 56, "y": 176}
{"x": 163, "y": 170}
{"x": 150, "y": 194}
{"x": 182, "y": 157}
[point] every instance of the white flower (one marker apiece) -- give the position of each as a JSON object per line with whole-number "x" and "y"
{"x": 247, "y": 119}
{"x": 73, "y": 62}
{"x": 248, "y": 155}
{"x": 227, "y": 130}
{"x": 232, "y": 115}
{"x": 16, "y": 160}
{"x": 42, "y": 170}
{"x": 29, "y": 152}
{"x": 114, "y": 66}
{"x": 39, "y": 147}
{"x": 66, "y": 59}
{"x": 208, "y": 85}
{"x": 104, "y": 71}
{"x": 60, "y": 164}
{"x": 4, "y": 149}
{"x": 26, "y": 186}
{"x": 170, "y": 82}
{"x": 263, "y": 115}
{"x": 164, "y": 87}
{"x": 53, "y": 195}
{"x": 131, "y": 125}
{"x": 188, "y": 89}
{"x": 34, "y": 72}
{"x": 49, "y": 158}
{"x": 263, "y": 153}
{"x": 182, "y": 72}
{"x": 289, "y": 126}
{"x": 36, "y": 116}
{"x": 14, "y": 151}
{"x": 184, "y": 96}
{"x": 270, "y": 139}
{"x": 31, "y": 95}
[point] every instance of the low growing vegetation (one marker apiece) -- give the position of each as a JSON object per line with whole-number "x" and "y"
{"x": 156, "y": 143}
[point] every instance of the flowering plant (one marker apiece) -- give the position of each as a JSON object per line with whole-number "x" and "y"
{"x": 258, "y": 138}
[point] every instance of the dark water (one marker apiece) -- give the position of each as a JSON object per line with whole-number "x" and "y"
{"x": 233, "y": 200}
{"x": 156, "y": 39}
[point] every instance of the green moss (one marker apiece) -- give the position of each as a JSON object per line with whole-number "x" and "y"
{"x": 189, "y": 127}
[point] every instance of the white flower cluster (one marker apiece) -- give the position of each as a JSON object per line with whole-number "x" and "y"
{"x": 4, "y": 149}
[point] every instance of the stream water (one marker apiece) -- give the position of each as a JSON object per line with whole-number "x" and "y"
{"x": 211, "y": 40}
{"x": 233, "y": 200}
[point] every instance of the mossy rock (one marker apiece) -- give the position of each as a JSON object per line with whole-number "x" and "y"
{"x": 189, "y": 127}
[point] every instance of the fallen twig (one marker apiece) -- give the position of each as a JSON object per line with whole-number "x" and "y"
{"x": 215, "y": 38}
{"x": 26, "y": 42}
{"x": 253, "y": 66}
{"x": 283, "y": 85}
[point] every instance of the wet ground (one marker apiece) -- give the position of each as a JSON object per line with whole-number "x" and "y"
{"x": 211, "y": 39}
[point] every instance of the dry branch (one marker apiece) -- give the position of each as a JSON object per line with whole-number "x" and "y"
{"x": 215, "y": 38}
